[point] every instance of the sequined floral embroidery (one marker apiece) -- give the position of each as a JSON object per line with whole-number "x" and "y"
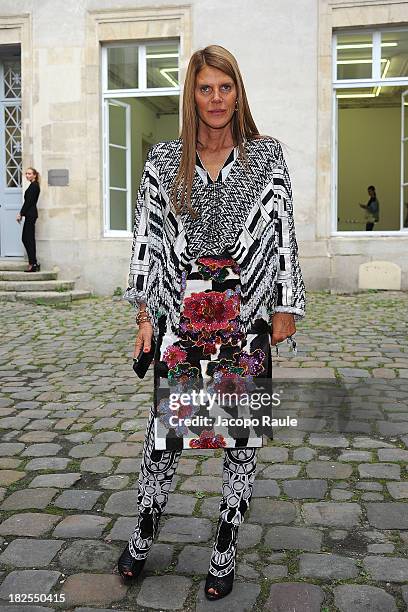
{"x": 181, "y": 412}
{"x": 208, "y": 439}
{"x": 225, "y": 366}
{"x": 229, "y": 383}
{"x": 216, "y": 269}
{"x": 174, "y": 355}
{"x": 209, "y": 353}
{"x": 182, "y": 372}
{"x": 210, "y": 310}
{"x": 252, "y": 363}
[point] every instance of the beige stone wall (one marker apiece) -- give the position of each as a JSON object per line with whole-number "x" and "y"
{"x": 285, "y": 58}
{"x": 63, "y": 124}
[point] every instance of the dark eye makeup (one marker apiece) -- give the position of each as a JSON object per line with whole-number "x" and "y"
{"x": 224, "y": 86}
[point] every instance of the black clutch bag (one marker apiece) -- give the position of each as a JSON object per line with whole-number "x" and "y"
{"x": 143, "y": 360}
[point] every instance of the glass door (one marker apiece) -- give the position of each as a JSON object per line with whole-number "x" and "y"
{"x": 10, "y": 156}
{"x": 117, "y": 167}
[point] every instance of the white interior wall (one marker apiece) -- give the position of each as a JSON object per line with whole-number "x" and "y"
{"x": 369, "y": 143}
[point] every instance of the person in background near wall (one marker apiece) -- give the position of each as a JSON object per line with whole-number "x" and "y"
{"x": 30, "y": 213}
{"x": 373, "y": 209}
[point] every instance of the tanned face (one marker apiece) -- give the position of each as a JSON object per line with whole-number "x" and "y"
{"x": 215, "y": 95}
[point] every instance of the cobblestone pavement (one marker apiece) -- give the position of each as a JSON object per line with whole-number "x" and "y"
{"x": 328, "y": 524}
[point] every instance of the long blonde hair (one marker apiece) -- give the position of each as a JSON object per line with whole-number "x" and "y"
{"x": 243, "y": 125}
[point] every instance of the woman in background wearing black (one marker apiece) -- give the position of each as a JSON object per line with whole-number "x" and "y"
{"x": 30, "y": 213}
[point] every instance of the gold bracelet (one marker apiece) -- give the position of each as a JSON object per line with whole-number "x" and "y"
{"x": 142, "y": 316}
{"x": 139, "y": 322}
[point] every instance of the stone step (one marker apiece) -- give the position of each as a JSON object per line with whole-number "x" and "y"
{"x": 80, "y": 294}
{"x": 24, "y": 276}
{"x": 33, "y": 285}
{"x": 48, "y": 297}
{"x": 13, "y": 264}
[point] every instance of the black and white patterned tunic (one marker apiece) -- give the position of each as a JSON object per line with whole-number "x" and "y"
{"x": 246, "y": 212}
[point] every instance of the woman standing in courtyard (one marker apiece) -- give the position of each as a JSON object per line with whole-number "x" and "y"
{"x": 30, "y": 213}
{"x": 214, "y": 272}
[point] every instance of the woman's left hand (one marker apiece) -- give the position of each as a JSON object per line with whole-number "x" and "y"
{"x": 18, "y": 218}
{"x": 283, "y": 326}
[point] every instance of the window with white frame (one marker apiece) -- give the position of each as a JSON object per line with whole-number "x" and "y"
{"x": 370, "y": 131}
{"x": 140, "y": 97}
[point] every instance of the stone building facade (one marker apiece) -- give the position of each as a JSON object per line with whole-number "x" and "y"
{"x": 89, "y": 85}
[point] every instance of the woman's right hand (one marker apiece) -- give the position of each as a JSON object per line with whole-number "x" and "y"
{"x": 143, "y": 338}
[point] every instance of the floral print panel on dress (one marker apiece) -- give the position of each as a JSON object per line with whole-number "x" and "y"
{"x": 209, "y": 355}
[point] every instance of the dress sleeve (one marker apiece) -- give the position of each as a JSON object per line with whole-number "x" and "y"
{"x": 139, "y": 259}
{"x": 290, "y": 289}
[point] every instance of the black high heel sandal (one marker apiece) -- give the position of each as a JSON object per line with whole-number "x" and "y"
{"x": 127, "y": 563}
{"x": 226, "y": 537}
{"x": 148, "y": 525}
{"x": 223, "y": 585}
{"x": 35, "y": 268}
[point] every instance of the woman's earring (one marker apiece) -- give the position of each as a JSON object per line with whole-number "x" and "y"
{"x": 236, "y": 105}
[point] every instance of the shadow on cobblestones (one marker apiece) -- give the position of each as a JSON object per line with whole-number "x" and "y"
{"x": 327, "y": 528}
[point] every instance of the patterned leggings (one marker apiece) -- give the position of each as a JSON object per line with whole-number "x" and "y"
{"x": 156, "y": 474}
